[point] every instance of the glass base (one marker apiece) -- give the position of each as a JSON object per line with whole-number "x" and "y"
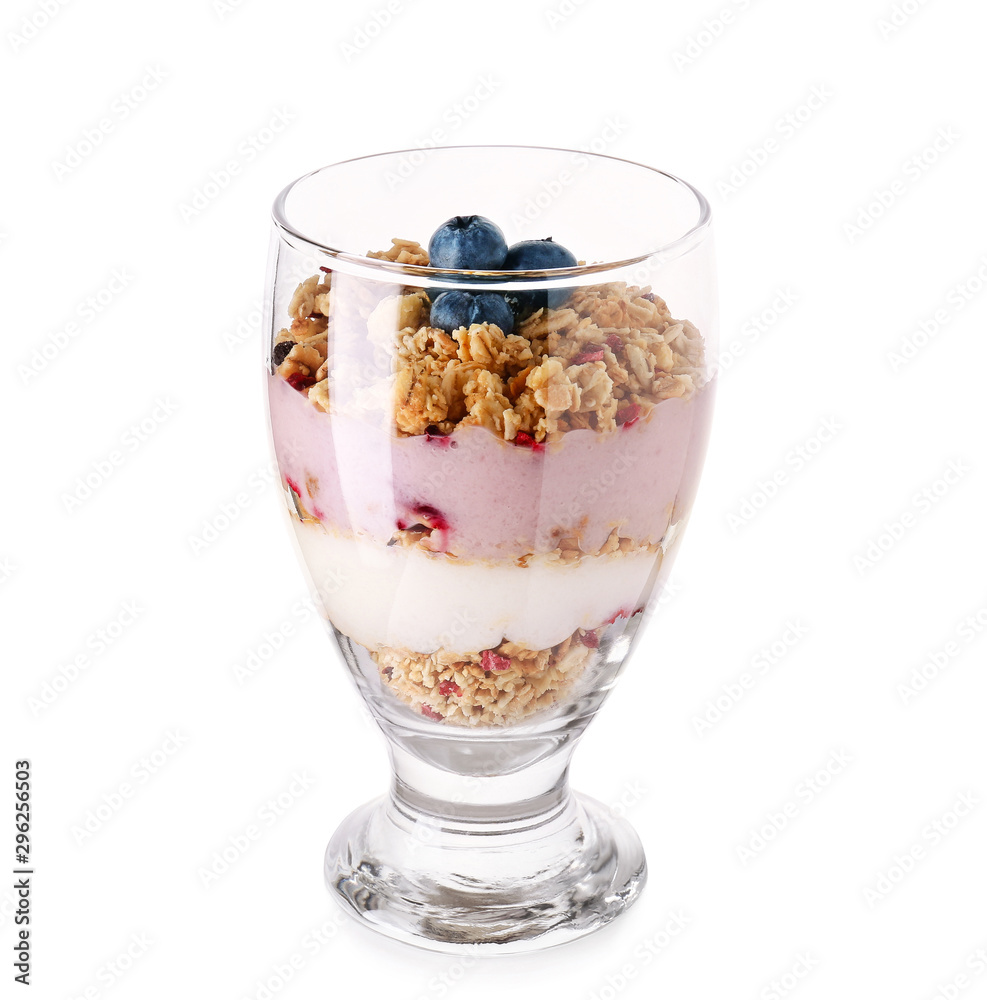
{"x": 482, "y": 883}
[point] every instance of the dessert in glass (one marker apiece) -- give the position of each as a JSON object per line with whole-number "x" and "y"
{"x": 490, "y": 390}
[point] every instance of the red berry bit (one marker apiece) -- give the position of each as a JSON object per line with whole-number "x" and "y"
{"x": 428, "y": 523}
{"x": 590, "y": 639}
{"x": 447, "y": 688}
{"x": 627, "y": 416}
{"x": 494, "y": 661}
{"x": 614, "y": 343}
{"x": 326, "y": 269}
{"x": 591, "y": 352}
{"x": 299, "y": 381}
{"x": 431, "y": 517}
{"x": 430, "y": 713}
{"x": 434, "y": 436}
{"x": 525, "y": 440}
{"x": 620, "y": 614}
{"x": 293, "y": 486}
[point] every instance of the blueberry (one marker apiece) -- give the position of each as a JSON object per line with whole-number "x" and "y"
{"x": 451, "y": 310}
{"x": 537, "y": 255}
{"x": 467, "y": 243}
{"x": 280, "y": 351}
{"x": 488, "y": 307}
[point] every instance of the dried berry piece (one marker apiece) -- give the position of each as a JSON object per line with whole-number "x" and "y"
{"x": 591, "y": 352}
{"x": 433, "y": 518}
{"x": 299, "y": 381}
{"x": 280, "y": 351}
{"x": 525, "y": 440}
{"x": 430, "y": 713}
{"x": 628, "y": 415}
{"x": 614, "y": 343}
{"x": 435, "y": 436}
{"x": 590, "y": 639}
{"x": 494, "y": 661}
{"x": 450, "y": 687}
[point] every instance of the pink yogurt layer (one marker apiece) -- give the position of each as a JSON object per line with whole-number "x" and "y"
{"x": 486, "y": 498}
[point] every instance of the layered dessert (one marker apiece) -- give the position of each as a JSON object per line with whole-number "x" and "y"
{"x": 485, "y": 488}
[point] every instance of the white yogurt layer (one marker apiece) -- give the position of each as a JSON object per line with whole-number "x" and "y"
{"x": 404, "y": 597}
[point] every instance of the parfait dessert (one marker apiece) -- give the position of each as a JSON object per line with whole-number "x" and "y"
{"x": 485, "y": 487}
{"x": 489, "y": 435}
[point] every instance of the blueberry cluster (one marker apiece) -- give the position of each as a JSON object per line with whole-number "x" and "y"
{"x": 474, "y": 243}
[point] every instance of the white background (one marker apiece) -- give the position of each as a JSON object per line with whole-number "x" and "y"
{"x": 182, "y": 327}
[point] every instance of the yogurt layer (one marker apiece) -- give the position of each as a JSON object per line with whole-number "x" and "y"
{"x": 487, "y": 498}
{"x": 407, "y": 598}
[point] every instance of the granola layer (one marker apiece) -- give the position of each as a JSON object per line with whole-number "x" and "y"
{"x": 600, "y": 362}
{"x": 494, "y": 687}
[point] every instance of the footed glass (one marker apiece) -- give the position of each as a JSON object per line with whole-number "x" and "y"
{"x": 487, "y": 492}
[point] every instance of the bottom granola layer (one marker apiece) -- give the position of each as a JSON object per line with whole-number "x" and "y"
{"x": 494, "y": 687}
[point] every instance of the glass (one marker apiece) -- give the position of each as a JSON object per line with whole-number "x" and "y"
{"x": 486, "y": 518}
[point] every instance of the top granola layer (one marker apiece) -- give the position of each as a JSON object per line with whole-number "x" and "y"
{"x": 602, "y": 360}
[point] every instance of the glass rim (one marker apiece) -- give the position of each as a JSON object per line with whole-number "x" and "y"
{"x": 669, "y": 250}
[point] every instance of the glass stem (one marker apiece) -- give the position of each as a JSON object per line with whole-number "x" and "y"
{"x": 524, "y": 798}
